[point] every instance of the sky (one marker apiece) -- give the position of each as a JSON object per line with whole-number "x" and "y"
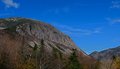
{"x": 94, "y": 25}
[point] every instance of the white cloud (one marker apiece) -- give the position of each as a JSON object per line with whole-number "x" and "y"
{"x": 115, "y": 4}
{"x": 77, "y": 31}
{"x": 10, "y": 3}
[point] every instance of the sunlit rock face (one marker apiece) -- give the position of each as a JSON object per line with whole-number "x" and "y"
{"x": 34, "y": 31}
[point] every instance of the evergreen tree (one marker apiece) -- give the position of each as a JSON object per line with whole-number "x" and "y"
{"x": 73, "y": 61}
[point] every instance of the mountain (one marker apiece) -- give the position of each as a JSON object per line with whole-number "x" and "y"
{"x": 108, "y": 59}
{"x": 31, "y": 44}
{"x": 106, "y": 54}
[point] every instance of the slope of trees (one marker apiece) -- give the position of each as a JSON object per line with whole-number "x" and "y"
{"x": 16, "y": 54}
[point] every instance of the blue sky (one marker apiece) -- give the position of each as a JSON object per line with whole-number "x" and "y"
{"x": 94, "y": 25}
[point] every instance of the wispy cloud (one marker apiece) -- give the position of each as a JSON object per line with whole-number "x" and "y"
{"x": 66, "y": 9}
{"x": 4, "y": 14}
{"x": 10, "y": 3}
{"x": 57, "y": 11}
{"x": 77, "y": 31}
{"x": 113, "y": 20}
{"x": 61, "y": 10}
{"x": 115, "y": 4}
{"x": 116, "y": 40}
{"x": 116, "y": 20}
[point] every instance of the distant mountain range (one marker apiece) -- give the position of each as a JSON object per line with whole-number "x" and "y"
{"x": 107, "y": 59}
{"x": 106, "y": 54}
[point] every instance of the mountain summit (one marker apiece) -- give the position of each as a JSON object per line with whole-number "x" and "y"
{"x": 31, "y": 44}
{"x": 35, "y": 31}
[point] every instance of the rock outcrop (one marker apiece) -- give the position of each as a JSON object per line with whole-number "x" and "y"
{"x": 31, "y": 44}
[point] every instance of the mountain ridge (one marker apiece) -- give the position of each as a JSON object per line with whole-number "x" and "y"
{"x": 34, "y": 40}
{"x": 106, "y": 54}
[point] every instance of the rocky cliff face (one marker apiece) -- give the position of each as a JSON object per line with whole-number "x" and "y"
{"x": 31, "y": 44}
{"x": 34, "y": 31}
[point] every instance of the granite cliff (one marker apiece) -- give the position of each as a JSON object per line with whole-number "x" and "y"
{"x": 31, "y": 44}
